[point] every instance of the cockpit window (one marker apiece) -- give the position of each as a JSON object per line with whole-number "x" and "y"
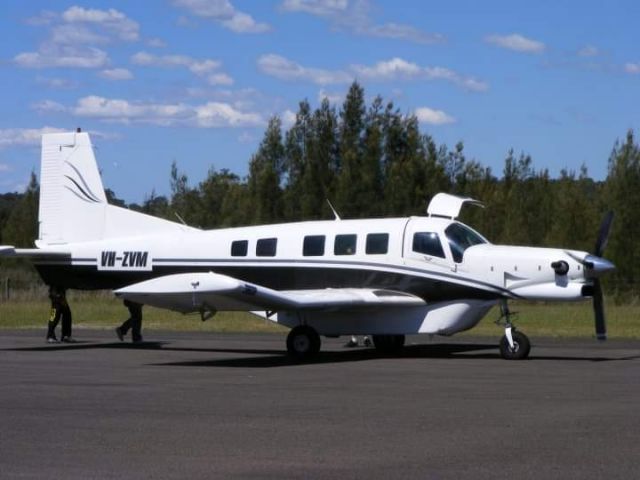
{"x": 460, "y": 238}
{"x": 428, "y": 243}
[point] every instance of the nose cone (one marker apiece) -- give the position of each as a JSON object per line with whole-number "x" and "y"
{"x": 597, "y": 266}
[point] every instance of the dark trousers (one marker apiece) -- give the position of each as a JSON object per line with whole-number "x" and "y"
{"x": 134, "y": 322}
{"x": 59, "y": 312}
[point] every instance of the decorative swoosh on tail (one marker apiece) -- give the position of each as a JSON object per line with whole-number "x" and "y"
{"x": 85, "y": 193}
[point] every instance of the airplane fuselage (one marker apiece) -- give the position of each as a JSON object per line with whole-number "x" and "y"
{"x": 436, "y": 259}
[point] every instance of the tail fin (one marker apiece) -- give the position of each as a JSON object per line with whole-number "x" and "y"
{"x": 73, "y": 205}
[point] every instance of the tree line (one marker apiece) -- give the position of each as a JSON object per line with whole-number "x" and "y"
{"x": 371, "y": 160}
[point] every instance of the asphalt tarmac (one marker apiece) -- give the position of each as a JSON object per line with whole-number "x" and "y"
{"x": 234, "y": 406}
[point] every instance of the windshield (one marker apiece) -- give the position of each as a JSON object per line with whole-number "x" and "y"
{"x": 460, "y": 238}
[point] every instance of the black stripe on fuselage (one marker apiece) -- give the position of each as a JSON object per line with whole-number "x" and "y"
{"x": 274, "y": 275}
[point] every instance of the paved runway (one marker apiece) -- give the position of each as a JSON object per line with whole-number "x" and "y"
{"x": 233, "y": 406}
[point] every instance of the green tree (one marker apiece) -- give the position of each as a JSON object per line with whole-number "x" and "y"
{"x": 348, "y": 184}
{"x": 622, "y": 195}
{"x": 184, "y": 200}
{"x": 265, "y": 176}
{"x": 222, "y": 200}
{"x": 296, "y": 162}
{"x": 21, "y": 228}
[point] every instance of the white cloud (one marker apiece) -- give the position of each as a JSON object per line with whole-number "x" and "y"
{"x": 433, "y": 117}
{"x": 111, "y": 20}
{"x": 288, "y": 118}
{"x": 116, "y": 74}
{"x": 355, "y": 17}
{"x": 156, "y": 43}
{"x": 588, "y": 51}
{"x": 74, "y": 36}
{"x": 633, "y": 68}
{"x": 217, "y": 114}
{"x": 220, "y": 79}
{"x": 404, "y": 32}
{"x": 48, "y": 106}
{"x": 516, "y": 42}
{"x": 243, "y": 23}
{"x": 57, "y": 83}
{"x": 284, "y": 69}
{"x": 393, "y": 69}
{"x": 322, "y": 8}
{"x": 24, "y": 136}
{"x": 223, "y": 12}
{"x": 387, "y": 70}
{"x": 205, "y": 68}
{"x": 198, "y": 67}
{"x": 69, "y": 34}
{"x": 4, "y": 167}
{"x": 46, "y": 17}
{"x": 207, "y": 115}
{"x": 63, "y": 56}
{"x": 331, "y": 96}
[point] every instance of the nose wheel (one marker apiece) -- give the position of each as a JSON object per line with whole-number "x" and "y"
{"x": 515, "y": 348}
{"x": 514, "y": 345}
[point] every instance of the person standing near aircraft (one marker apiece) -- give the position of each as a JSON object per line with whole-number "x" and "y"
{"x": 59, "y": 310}
{"x": 134, "y": 322}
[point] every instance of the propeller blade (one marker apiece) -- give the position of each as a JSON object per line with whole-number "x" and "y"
{"x": 603, "y": 234}
{"x": 598, "y": 310}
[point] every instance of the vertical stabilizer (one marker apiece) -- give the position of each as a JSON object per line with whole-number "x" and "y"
{"x": 72, "y": 199}
{"x": 73, "y": 205}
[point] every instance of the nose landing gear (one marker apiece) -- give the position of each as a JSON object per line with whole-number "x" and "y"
{"x": 514, "y": 345}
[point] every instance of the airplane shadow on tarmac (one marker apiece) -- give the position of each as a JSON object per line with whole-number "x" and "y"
{"x": 269, "y": 358}
{"x": 471, "y": 351}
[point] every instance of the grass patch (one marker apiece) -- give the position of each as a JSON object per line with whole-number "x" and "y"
{"x": 565, "y": 320}
{"x": 101, "y": 310}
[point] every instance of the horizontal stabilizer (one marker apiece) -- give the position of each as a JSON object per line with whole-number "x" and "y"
{"x": 209, "y": 292}
{"x": 34, "y": 253}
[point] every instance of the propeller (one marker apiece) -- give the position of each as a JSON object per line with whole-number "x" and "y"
{"x": 603, "y": 234}
{"x": 598, "y": 296}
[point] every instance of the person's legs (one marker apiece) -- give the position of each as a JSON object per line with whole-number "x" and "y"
{"x": 54, "y": 318}
{"x": 66, "y": 323}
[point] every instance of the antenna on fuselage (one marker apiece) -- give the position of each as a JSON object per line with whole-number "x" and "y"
{"x": 180, "y": 218}
{"x": 335, "y": 214}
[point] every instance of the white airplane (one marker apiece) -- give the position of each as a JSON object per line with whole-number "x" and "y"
{"x": 381, "y": 277}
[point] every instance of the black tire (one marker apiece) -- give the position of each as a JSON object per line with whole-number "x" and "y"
{"x": 521, "y": 347}
{"x": 388, "y": 343}
{"x": 303, "y": 342}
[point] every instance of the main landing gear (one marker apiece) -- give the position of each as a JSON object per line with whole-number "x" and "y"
{"x": 514, "y": 345}
{"x": 303, "y": 342}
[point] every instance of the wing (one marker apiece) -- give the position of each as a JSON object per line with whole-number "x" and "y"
{"x": 209, "y": 292}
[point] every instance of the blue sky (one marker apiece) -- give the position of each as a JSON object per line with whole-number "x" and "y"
{"x": 196, "y": 80}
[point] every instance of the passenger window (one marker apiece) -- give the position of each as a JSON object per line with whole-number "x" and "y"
{"x": 345, "y": 245}
{"x": 377, "y": 243}
{"x": 266, "y": 247}
{"x": 239, "y": 248}
{"x": 313, "y": 246}
{"x": 428, "y": 243}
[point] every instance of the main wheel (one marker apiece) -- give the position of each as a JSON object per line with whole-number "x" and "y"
{"x": 303, "y": 342}
{"x": 388, "y": 343}
{"x": 521, "y": 347}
